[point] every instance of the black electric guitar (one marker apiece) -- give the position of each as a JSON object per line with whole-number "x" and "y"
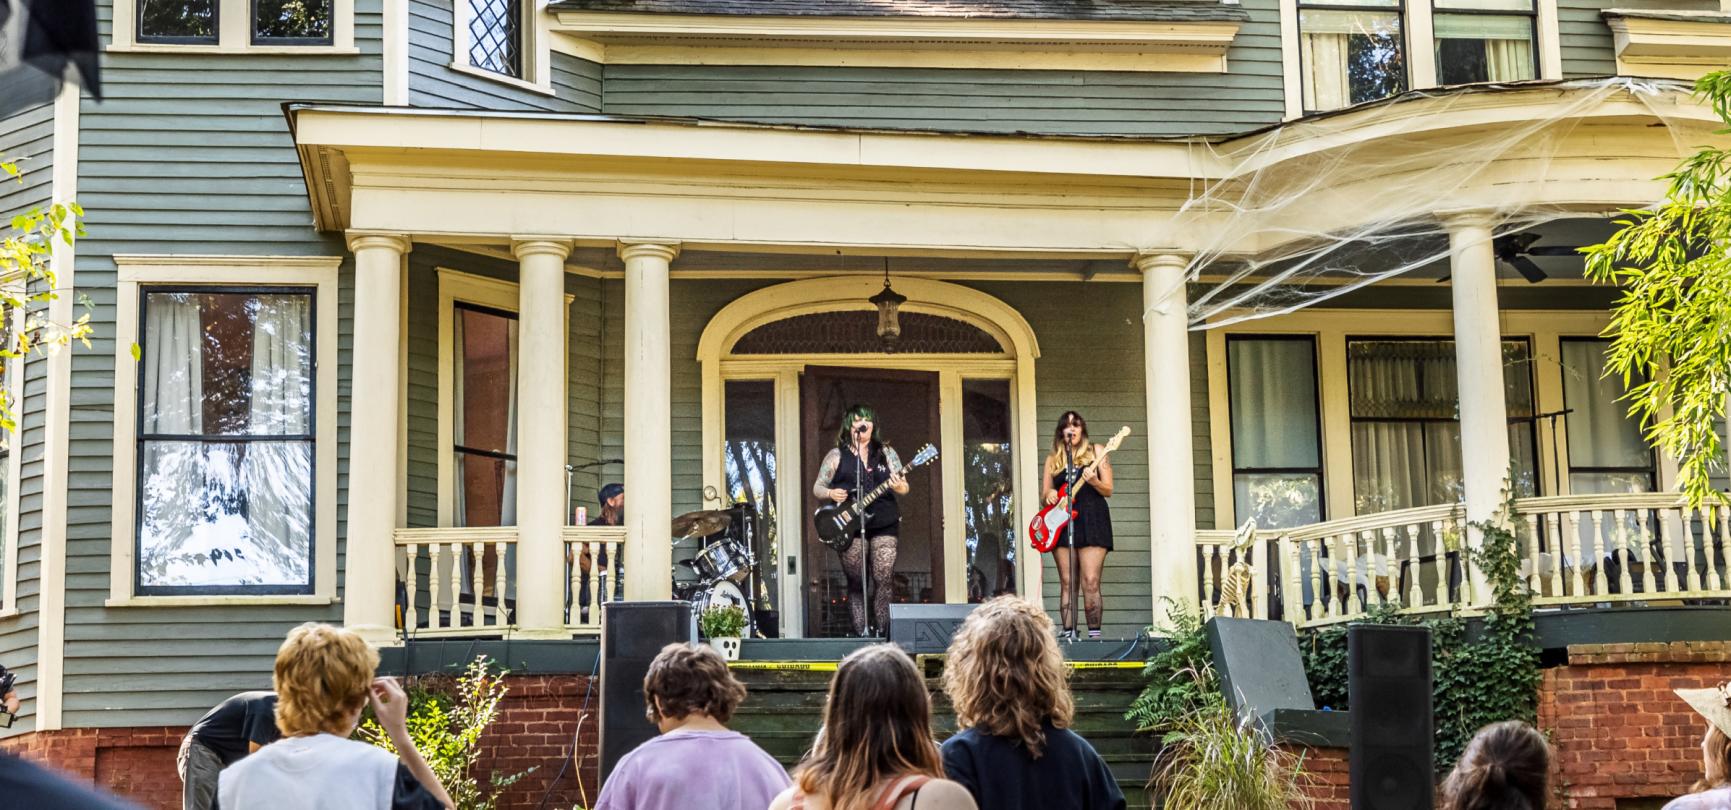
{"x": 839, "y": 523}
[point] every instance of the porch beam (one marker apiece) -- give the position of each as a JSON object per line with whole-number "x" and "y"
{"x": 1479, "y": 367}
{"x": 370, "y": 558}
{"x": 1171, "y": 462}
{"x": 541, "y": 439}
{"x": 648, "y": 420}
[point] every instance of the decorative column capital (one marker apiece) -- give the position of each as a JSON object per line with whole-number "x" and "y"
{"x": 363, "y": 240}
{"x": 1468, "y": 218}
{"x": 633, "y": 249}
{"x": 1149, "y": 261}
{"x": 523, "y": 247}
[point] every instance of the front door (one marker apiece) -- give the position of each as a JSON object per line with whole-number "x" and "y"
{"x": 907, "y": 407}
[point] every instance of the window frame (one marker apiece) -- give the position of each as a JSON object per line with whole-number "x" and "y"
{"x": 1400, "y": 11}
{"x": 139, "y": 274}
{"x": 1532, "y": 15}
{"x": 1321, "y": 450}
{"x": 536, "y": 48}
{"x": 1567, "y": 468}
{"x": 458, "y": 449}
{"x": 234, "y": 33}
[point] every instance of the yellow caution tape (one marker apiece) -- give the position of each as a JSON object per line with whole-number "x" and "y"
{"x": 829, "y": 666}
{"x": 1103, "y": 664}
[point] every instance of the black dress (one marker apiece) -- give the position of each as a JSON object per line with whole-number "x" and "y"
{"x": 1093, "y": 517}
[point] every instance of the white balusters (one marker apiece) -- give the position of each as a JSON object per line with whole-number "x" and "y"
{"x": 412, "y": 552}
{"x": 1209, "y": 555}
{"x": 1532, "y": 554}
{"x": 1414, "y": 592}
{"x": 435, "y": 614}
{"x": 1601, "y": 551}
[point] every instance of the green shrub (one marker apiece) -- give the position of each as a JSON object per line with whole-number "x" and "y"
{"x": 1180, "y": 677}
{"x": 723, "y": 621}
{"x": 446, "y": 720}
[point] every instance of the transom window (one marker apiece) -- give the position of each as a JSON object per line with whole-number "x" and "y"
{"x": 1484, "y": 40}
{"x": 1350, "y": 51}
{"x": 225, "y": 440}
{"x": 496, "y": 36}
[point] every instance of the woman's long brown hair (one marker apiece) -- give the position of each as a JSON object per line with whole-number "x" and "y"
{"x": 1006, "y": 675}
{"x": 1505, "y": 767}
{"x": 877, "y": 726}
{"x": 1717, "y": 754}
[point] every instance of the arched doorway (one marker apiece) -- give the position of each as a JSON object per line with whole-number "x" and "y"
{"x": 783, "y": 362}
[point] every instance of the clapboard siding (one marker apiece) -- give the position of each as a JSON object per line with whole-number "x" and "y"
{"x": 1586, "y": 40}
{"x": 27, "y": 140}
{"x": 432, "y": 82}
{"x": 1052, "y": 101}
{"x": 586, "y": 370}
{"x": 186, "y": 154}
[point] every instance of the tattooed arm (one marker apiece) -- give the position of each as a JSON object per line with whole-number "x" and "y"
{"x": 821, "y": 488}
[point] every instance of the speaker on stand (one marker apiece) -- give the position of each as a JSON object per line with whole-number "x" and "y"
{"x": 1389, "y": 687}
{"x": 632, "y": 633}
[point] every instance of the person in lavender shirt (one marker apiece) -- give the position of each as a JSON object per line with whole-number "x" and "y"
{"x": 1713, "y": 791}
{"x": 690, "y": 696}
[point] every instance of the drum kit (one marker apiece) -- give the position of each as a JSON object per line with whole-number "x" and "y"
{"x": 725, "y": 566}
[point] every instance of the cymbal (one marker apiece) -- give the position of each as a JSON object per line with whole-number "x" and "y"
{"x": 700, "y": 524}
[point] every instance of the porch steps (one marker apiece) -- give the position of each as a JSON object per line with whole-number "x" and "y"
{"x": 783, "y": 709}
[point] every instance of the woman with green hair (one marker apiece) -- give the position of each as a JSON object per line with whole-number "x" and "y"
{"x": 862, "y": 461}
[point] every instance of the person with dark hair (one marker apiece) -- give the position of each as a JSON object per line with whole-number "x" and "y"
{"x": 875, "y": 749}
{"x": 862, "y": 460}
{"x": 689, "y": 695}
{"x": 1014, "y": 749}
{"x": 1506, "y": 766}
{"x": 1713, "y": 790}
{"x": 236, "y": 727}
{"x": 1089, "y": 535}
{"x": 26, "y": 784}
{"x": 611, "y": 498}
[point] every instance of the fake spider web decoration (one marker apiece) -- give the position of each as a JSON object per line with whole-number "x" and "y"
{"x": 1319, "y": 208}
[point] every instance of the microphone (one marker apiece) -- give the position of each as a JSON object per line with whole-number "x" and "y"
{"x": 859, "y": 428}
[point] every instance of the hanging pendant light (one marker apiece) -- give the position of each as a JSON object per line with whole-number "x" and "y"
{"x": 889, "y": 303}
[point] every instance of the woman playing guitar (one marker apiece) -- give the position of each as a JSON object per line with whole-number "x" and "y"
{"x": 1072, "y": 453}
{"x": 858, "y": 448}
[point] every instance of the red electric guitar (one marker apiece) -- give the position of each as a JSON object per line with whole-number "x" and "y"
{"x": 1047, "y": 526}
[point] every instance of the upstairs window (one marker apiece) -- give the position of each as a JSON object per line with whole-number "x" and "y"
{"x": 291, "y": 22}
{"x": 496, "y": 36}
{"x": 1350, "y": 52}
{"x": 178, "y": 22}
{"x": 1484, "y": 41}
{"x": 234, "y": 25}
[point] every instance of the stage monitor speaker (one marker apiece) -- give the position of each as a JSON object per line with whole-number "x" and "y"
{"x": 922, "y": 629}
{"x": 632, "y": 634}
{"x": 1260, "y": 668}
{"x": 1389, "y": 687}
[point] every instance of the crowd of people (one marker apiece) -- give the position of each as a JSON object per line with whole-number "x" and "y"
{"x": 1014, "y": 748}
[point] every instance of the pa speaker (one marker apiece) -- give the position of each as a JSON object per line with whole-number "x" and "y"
{"x": 919, "y": 629}
{"x": 632, "y": 633}
{"x": 1389, "y": 687}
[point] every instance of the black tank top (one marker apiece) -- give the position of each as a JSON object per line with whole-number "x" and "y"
{"x": 884, "y": 513}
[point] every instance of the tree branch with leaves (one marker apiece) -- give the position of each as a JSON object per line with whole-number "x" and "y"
{"x": 29, "y": 284}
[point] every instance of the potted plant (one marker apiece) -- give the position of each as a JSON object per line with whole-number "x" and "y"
{"x": 722, "y": 625}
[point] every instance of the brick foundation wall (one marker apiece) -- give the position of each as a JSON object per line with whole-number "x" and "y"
{"x": 1619, "y": 731}
{"x": 1327, "y": 785}
{"x": 134, "y": 762}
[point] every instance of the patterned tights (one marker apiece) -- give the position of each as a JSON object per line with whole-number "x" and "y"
{"x": 883, "y": 568}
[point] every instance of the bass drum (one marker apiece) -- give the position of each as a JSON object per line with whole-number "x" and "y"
{"x": 722, "y": 594}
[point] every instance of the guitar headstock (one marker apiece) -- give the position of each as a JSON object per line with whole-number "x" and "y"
{"x": 1117, "y": 438}
{"x": 925, "y": 455}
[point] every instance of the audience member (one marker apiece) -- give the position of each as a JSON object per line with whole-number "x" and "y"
{"x": 1507, "y": 766}
{"x": 696, "y": 761}
{"x": 1713, "y": 791}
{"x": 324, "y": 677}
{"x": 1015, "y": 749}
{"x": 237, "y": 726}
{"x": 875, "y": 750}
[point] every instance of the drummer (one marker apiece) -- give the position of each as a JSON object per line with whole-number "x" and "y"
{"x": 612, "y": 513}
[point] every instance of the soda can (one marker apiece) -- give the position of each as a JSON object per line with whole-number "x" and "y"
{"x": 582, "y": 515}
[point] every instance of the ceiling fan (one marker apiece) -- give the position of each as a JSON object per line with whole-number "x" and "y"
{"x": 1514, "y": 248}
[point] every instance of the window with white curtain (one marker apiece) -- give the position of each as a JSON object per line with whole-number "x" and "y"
{"x": 1276, "y": 447}
{"x": 1350, "y": 52}
{"x": 1405, "y": 416}
{"x": 1606, "y": 451}
{"x": 225, "y": 440}
{"x": 1484, "y": 40}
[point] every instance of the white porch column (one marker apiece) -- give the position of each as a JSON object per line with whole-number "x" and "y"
{"x": 1479, "y": 366}
{"x": 648, "y": 421}
{"x": 1171, "y": 460}
{"x": 541, "y": 439}
{"x": 374, "y": 410}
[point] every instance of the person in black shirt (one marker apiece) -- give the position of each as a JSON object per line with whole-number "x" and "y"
{"x": 237, "y": 726}
{"x": 1014, "y": 749}
{"x": 861, "y": 460}
{"x": 26, "y": 784}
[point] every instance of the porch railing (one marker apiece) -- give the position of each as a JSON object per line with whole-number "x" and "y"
{"x": 462, "y": 581}
{"x": 1574, "y": 551}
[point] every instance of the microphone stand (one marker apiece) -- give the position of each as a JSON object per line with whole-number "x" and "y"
{"x": 1070, "y": 538}
{"x": 865, "y": 543}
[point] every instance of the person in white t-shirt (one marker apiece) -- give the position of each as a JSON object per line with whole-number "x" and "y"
{"x": 324, "y": 677}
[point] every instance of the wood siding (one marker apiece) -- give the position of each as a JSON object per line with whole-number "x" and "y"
{"x": 432, "y": 82}
{"x": 1586, "y": 40}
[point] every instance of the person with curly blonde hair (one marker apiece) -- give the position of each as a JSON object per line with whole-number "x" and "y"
{"x": 323, "y": 679}
{"x": 1014, "y": 748}
{"x": 875, "y": 750}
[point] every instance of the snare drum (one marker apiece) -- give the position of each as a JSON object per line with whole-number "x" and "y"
{"x": 723, "y": 560}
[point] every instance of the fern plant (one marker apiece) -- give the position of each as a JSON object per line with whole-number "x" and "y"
{"x": 1180, "y": 677}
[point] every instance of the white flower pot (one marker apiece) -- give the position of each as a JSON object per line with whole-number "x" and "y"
{"x": 728, "y": 646}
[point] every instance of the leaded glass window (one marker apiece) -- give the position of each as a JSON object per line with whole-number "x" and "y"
{"x": 496, "y": 36}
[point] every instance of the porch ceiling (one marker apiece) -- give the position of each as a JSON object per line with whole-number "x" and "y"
{"x": 456, "y": 176}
